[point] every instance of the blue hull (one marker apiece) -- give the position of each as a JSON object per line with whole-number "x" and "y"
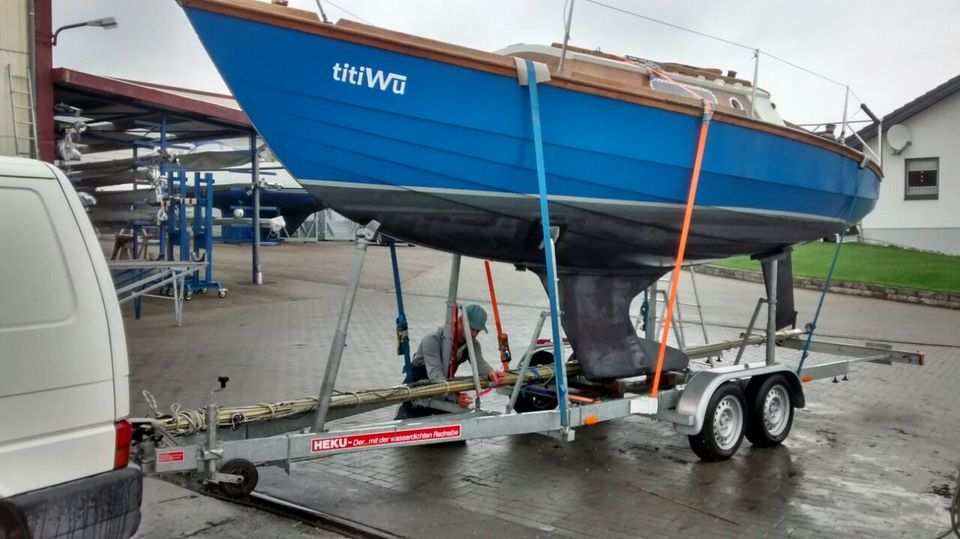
{"x": 452, "y": 156}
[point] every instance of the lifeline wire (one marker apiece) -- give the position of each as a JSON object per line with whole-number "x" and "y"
{"x": 347, "y": 11}
{"x": 716, "y": 38}
{"x": 665, "y": 23}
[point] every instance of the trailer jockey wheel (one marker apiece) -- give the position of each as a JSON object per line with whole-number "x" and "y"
{"x": 723, "y": 425}
{"x": 771, "y": 411}
{"x": 534, "y": 403}
{"x": 528, "y": 402}
{"x": 246, "y": 470}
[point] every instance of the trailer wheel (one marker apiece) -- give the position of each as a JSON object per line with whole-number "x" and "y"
{"x": 771, "y": 412}
{"x": 246, "y": 470}
{"x": 723, "y": 425}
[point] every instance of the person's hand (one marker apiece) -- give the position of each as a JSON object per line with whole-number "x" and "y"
{"x": 496, "y": 377}
{"x": 464, "y": 400}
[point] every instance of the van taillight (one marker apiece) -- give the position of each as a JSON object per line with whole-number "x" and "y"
{"x": 122, "y": 454}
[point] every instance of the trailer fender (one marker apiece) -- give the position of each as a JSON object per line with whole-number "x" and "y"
{"x": 692, "y": 405}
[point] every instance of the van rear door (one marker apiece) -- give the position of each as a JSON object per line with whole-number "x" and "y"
{"x": 57, "y": 394}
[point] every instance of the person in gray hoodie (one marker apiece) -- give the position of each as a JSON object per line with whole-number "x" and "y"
{"x": 427, "y": 363}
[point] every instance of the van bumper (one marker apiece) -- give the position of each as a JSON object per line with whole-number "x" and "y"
{"x": 103, "y": 505}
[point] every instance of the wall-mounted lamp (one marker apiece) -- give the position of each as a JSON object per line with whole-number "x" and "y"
{"x": 107, "y": 23}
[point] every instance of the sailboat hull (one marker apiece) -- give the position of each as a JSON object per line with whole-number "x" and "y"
{"x": 436, "y": 143}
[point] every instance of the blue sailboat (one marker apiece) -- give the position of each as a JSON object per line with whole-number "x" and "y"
{"x": 435, "y": 142}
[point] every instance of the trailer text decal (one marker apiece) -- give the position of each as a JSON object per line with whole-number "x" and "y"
{"x": 377, "y": 439}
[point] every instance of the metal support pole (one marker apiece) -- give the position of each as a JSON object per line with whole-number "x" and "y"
{"x": 183, "y": 232}
{"x": 879, "y": 143}
{"x": 213, "y": 420}
{"x": 451, "y": 301}
{"x": 166, "y": 246}
{"x": 208, "y": 225}
{"x": 756, "y": 76}
{"x": 255, "y": 174}
{"x": 843, "y": 128}
{"x": 177, "y": 286}
{"x": 471, "y": 354}
{"x": 772, "y": 311}
{"x": 364, "y": 237}
{"x": 746, "y": 335}
{"x": 525, "y": 360}
{"x": 650, "y": 324}
{"x": 696, "y": 297}
{"x": 566, "y": 37}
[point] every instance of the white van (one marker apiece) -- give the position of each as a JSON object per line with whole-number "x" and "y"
{"x": 64, "y": 443}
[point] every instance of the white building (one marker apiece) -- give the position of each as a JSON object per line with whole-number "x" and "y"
{"x": 14, "y": 61}
{"x": 919, "y": 204}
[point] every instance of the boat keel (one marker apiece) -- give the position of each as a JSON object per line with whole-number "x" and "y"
{"x": 596, "y": 319}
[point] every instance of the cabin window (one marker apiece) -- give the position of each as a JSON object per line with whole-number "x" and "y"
{"x": 735, "y": 103}
{"x": 922, "y": 179}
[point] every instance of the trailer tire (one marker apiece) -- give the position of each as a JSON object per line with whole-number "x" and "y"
{"x": 723, "y": 425}
{"x": 246, "y": 470}
{"x": 771, "y": 412}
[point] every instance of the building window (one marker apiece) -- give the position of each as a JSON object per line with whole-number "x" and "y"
{"x": 922, "y": 181}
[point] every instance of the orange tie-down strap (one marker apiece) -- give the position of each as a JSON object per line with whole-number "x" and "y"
{"x": 681, "y": 251}
{"x": 501, "y": 336}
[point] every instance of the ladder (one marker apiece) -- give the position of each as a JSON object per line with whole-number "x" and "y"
{"x": 24, "y": 113}
{"x": 678, "y": 323}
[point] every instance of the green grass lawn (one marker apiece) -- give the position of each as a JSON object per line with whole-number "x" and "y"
{"x": 892, "y": 266}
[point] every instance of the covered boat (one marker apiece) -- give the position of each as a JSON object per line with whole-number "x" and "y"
{"x": 435, "y": 142}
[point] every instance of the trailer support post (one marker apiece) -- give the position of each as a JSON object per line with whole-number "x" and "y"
{"x": 364, "y": 237}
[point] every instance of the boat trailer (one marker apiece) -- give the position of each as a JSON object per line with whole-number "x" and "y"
{"x": 715, "y": 406}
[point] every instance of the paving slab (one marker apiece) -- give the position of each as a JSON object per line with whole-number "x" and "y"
{"x": 874, "y": 456}
{"x": 173, "y": 512}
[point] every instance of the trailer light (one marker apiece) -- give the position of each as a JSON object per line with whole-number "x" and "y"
{"x": 807, "y": 378}
{"x": 121, "y": 456}
{"x": 590, "y": 420}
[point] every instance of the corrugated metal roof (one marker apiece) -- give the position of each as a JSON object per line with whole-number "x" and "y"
{"x": 219, "y": 107}
{"x": 119, "y": 112}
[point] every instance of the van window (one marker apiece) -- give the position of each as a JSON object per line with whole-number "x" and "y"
{"x": 35, "y": 288}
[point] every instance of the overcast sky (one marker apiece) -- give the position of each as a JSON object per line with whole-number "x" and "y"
{"x": 889, "y": 51}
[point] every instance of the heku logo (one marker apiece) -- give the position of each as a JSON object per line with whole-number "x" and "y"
{"x": 330, "y": 443}
{"x": 360, "y": 76}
